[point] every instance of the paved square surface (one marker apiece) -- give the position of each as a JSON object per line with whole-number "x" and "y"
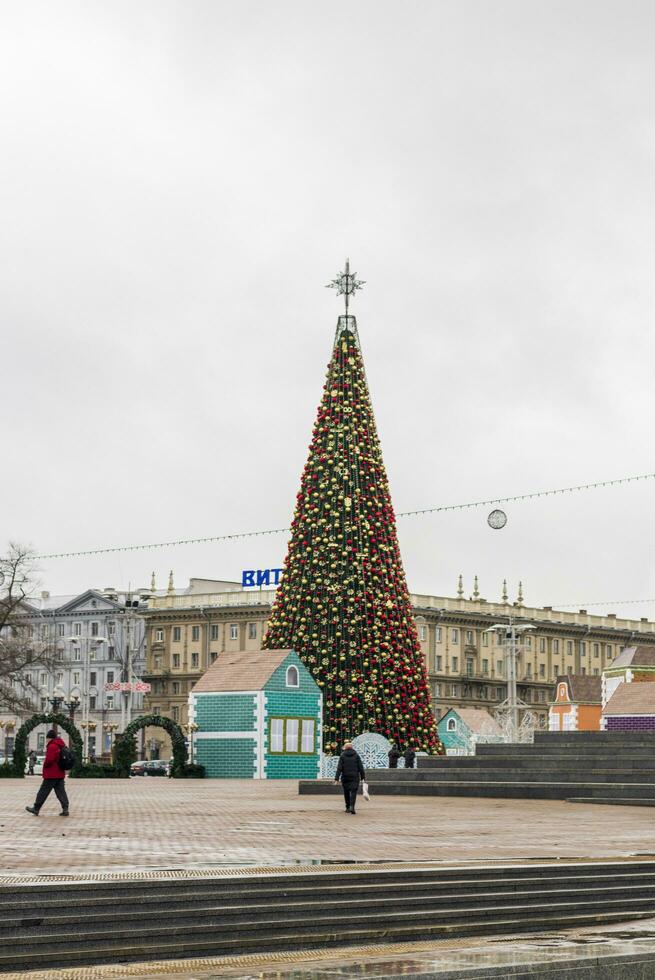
{"x": 166, "y": 823}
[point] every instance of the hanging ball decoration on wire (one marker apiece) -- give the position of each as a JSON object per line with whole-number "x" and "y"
{"x": 497, "y": 519}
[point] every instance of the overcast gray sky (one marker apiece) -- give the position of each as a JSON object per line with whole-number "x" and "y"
{"x": 179, "y": 180}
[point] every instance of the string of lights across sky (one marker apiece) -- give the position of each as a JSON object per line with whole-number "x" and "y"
{"x": 515, "y": 498}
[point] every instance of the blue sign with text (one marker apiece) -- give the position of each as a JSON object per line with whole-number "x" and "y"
{"x": 254, "y": 578}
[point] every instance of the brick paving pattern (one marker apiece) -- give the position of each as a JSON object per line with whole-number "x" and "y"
{"x": 162, "y": 823}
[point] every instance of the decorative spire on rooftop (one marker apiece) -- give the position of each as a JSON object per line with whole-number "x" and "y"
{"x": 519, "y": 600}
{"x": 153, "y": 587}
{"x": 170, "y": 582}
{"x": 505, "y": 597}
{"x": 476, "y": 590}
{"x": 460, "y": 588}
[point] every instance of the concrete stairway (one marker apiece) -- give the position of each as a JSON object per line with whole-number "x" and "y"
{"x": 600, "y": 767}
{"x": 119, "y": 921}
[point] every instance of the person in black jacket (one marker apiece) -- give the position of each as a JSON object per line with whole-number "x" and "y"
{"x": 410, "y": 757}
{"x": 394, "y": 755}
{"x": 349, "y": 771}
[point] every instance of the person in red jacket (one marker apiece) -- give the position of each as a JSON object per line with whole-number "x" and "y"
{"x": 53, "y": 776}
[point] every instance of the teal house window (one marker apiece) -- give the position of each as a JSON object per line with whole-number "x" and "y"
{"x": 292, "y": 736}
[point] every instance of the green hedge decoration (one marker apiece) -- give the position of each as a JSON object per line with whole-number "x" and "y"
{"x": 125, "y": 745}
{"x": 62, "y": 721}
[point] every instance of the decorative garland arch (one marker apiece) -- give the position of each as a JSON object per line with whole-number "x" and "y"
{"x": 69, "y": 726}
{"x": 125, "y": 744}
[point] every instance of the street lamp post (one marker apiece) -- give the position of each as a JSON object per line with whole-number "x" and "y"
{"x": 507, "y": 713}
{"x": 72, "y": 706}
{"x": 191, "y": 729}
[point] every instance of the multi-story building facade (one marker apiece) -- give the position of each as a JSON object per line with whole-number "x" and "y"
{"x": 464, "y": 656}
{"x": 98, "y": 642}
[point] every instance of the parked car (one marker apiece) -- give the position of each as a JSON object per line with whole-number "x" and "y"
{"x": 38, "y": 765}
{"x": 156, "y": 767}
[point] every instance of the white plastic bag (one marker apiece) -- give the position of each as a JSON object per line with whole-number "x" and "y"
{"x": 365, "y": 791}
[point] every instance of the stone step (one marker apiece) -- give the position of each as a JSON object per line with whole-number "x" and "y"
{"x": 320, "y": 910}
{"x": 609, "y": 760}
{"x": 617, "y": 801}
{"x": 223, "y": 928}
{"x": 512, "y": 774}
{"x": 536, "y": 790}
{"x": 280, "y": 884}
{"x": 41, "y": 924}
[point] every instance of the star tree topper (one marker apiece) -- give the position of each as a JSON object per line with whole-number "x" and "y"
{"x": 346, "y": 284}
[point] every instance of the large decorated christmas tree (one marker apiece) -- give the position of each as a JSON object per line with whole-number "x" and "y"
{"x": 343, "y": 603}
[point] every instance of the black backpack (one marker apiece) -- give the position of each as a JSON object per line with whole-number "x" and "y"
{"x": 66, "y": 758}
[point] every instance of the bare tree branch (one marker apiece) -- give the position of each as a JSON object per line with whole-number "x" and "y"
{"x": 23, "y": 651}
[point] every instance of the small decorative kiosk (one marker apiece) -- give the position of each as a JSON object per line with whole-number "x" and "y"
{"x": 258, "y": 716}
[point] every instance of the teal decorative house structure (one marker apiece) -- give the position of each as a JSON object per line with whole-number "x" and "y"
{"x": 259, "y": 716}
{"x": 461, "y": 729}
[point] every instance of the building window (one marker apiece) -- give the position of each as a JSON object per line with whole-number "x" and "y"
{"x": 485, "y": 639}
{"x": 555, "y": 646}
{"x": 109, "y": 701}
{"x": 93, "y": 678}
{"x": 499, "y": 668}
{"x": 76, "y": 677}
{"x": 195, "y": 633}
{"x": 437, "y": 634}
{"x": 77, "y": 629}
{"x": 555, "y": 669}
{"x": 437, "y": 662}
{"x": 583, "y": 648}
{"x": 596, "y": 649}
{"x": 469, "y": 637}
{"x": 542, "y": 696}
{"x": 252, "y": 631}
{"x": 159, "y": 636}
{"x": 454, "y": 690}
{"x": 213, "y": 632}
{"x": 77, "y": 654}
{"x": 111, "y": 651}
{"x": 454, "y": 636}
{"x": 234, "y": 631}
{"x": 292, "y": 736}
{"x": 177, "y": 634}
{"x": 176, "y": 687}
{"x": 455, "y": 664}
{"x": 157, "y": 664}
{"x": 608, "y": 651}
{"x": 528, "y": 670}
{"x": 307, "y": 739}
{"x": 92, "y": 702}
{"x": 61, "y": 629}
{"x": 195, "y": 659}
{"x": 542, "y": 644}
{"x": 175, "y": 712}
{"x": 469, "y": 667}
{"x": 44, "y": 680}
{"x": 94, "y": 629}
{"x": 423, "y": 633}
{"x": 569, "y": 647}
{"x": 293, "y": 677}
{"x": 528, "y": 642}
{"x": 485, "y": 667}
{"x": 110, "y": 677}
{"x": 437, "y": 690}
{"x": 176, "y": 660}
{"x": 542, "y": 670}
{"x": 451, "y": 725}
{"x": 276, "y": 740}
{"x": 111, "y": 628}
{"x": 92, "y": 653}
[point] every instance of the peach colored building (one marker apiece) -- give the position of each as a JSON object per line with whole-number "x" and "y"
{"x": 578, "y": 704}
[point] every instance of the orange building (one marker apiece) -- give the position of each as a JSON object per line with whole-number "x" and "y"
{"x": 578, "y": 704}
